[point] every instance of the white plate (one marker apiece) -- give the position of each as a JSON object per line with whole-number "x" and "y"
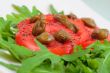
{"x": 76, "y": 6}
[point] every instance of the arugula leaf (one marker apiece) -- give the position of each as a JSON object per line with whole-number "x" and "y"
{"x": 37, "y": 62}
{"x": 54, "y": 58}
{"x": 53, "y": 10}
{"x": 23, "y": 13}
{"x": 5, "y": 45}
{"x": 11, "y": 40}
{"x": 22, "y": 10}
{"x": 10, "y": 66}
{"x": 104, "y": 67}
{"x": 12, "y": 18}
{"x": 31, "y": 63}
{"x": 45, "y": 67}
{"x": 75, "y": 55}
{"x": 2, "y": 21}
{"x": 35, "y": 11}
{"x": 7, "y": 56}
{"x": 19, "y": 52}
{"x": 62, "y": 12}
{"x": 93, "y": 63}
{"x": 83, "y": 68}
{"x": 38, "y": 59}
{"x": 70, "y": 68}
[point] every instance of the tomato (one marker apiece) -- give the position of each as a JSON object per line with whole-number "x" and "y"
{"x": 108, "y": 37}
{"x": 25, "y": 38}
{"x": 29, "y": 43}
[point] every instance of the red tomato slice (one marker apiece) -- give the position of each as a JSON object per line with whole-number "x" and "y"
{"x": 29, "y": 43}
{"x": 25, "y": 38}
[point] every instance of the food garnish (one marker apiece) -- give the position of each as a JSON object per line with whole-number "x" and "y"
{"x": 53, "y": 43}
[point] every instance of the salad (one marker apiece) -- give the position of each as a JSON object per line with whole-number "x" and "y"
{"x": 54, "y": 42}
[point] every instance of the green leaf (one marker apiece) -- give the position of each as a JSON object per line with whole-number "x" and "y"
{"x": 7, "y": 56}
{"x": 11, "y": 40}
{"x": 75, "y": 55}
{"x": 83, "y": 68}
{"x": 93, "y": 63}
{"x": 22, "y": 10}
{"x": 38, "y": 59}
{"x": 19, "y": 52}
{"x": 12, "y": 18}
{"x": 105, "y": 65}
{"x": 42, "y": 47}
{"x": 19, "y": 17}
{"x": 5, "y": 45}
{"x": 54, "y": 58}
{"x": 53, "y": 10}
{"x": 86, "y": 69}
{"x": 98, "y": 46}
{"x": 2, "y": 21}
{"x": 70, "y": 68}
{"x": 62, "y": 12}
{"x": 10, "y": 66}
{"x": 29, "y": 64}
{"x": 35, "y": 11}
{"x": 45, "y": 67}
{"x": 7, "y": 27}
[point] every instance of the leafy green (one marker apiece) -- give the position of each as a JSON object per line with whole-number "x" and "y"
{"x": 19, "y": 52}
{"x": 4, "y": 44}
{"x": 70, "y": 68}
{"x": 10, "y": 66}
{"x": 45, "y": 67}
{"x": 104, "y": 68}
{"x": 7, "y": 56}
{"x": 23, "y": 13}
{"x": 43, "y": 61}
{"x": 38, "y": 59}
{"x": 93, "y": 63}
{"x": 62, "y": 12}
{"x": 75, "y": 55}
{"x": 31, "y": 63}
{"x": 3, "y": 26}
{"x": 35, "y": 11}
{"x": 22, "y": 10}
{"x": 53, "y": 10}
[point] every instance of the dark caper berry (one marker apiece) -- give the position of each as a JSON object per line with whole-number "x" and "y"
{"x": 39, "y": 26}
{"x": 72, "y": 16}
{"x": 64, "y": 20}
{"x": 45, "y": 38}
{"x": 89, "y": 22}
{"x": 72, "y": 27}
{"x": 100, "y": 34}
{"x": 61, "y": 36}
{"x": 33, "y": 19}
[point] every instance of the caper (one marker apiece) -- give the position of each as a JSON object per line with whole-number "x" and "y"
{"x": 100, "y": 34}
{"x": 63, "y": 19}
{"x": 45, "y": 38}
{"x": 89, "y": 22}
{"x": 72, "y": 27}
{"x": 61, "y": 36}
{"x": 33, "y": 19}
{"x": 72, "y": 16}
{"x": 39, "y": 26}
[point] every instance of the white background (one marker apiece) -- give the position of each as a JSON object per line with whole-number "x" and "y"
{"x": 76, "y": 6}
